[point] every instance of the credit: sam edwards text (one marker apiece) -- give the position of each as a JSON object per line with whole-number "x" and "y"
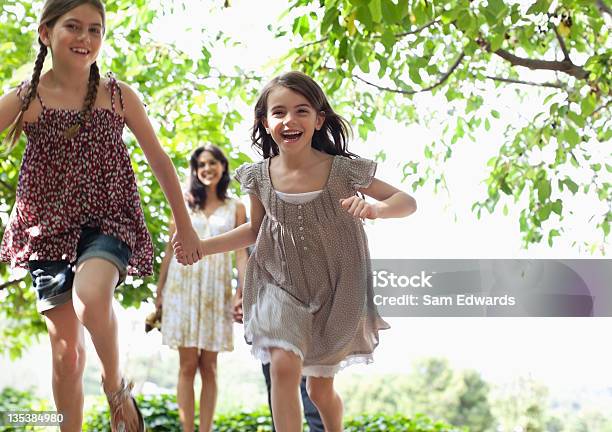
{"x": 456, "y": 300}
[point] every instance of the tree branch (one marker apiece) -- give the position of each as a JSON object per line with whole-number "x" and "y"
{"x": 418, "y": 30}
{"x": 306, "y": 45}
{"x": 9, "y": 283}
{"x": 514, "y": 81}
{"x": 398, "y": 35}
{"x": 604, "y": 106}
{"x": 411, "y": 92}
{"x": 565, "y": 66}
{"x": 562, "y": 44}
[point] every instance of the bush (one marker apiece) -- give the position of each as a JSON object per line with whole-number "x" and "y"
{"x": 161, "y": 415}
{"x": 397, "y": 423}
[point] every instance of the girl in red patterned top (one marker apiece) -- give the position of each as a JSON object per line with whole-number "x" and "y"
{"x": 77, "y": 224}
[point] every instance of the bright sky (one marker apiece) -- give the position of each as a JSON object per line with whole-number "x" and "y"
{"x": 560, "y": 352}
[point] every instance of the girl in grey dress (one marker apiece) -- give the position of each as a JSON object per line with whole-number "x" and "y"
{"x": 308, "y": 296}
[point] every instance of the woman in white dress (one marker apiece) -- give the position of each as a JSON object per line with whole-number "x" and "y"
{"x": 197, "y": 300}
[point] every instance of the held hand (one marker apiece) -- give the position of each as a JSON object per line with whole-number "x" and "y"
{"x": 237, "y": 309}
{"x": 187, "y": 247}
{"x": 359, "y": 208}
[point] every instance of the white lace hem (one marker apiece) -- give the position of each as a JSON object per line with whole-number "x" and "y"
{"x": 330, "y": 371}
{"x": 261, "y": 351}
{"x": 261, "y": 348}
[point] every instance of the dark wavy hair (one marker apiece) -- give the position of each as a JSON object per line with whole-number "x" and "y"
{"x": 334, "y": 134}
{"x": 196, "y": 196}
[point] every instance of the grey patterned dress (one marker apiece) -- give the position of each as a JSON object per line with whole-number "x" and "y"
{"x": 308, "y": 286}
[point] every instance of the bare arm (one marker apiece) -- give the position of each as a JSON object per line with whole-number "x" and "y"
{"x": 240, "y": 237}
{"x": 241, "y": 261}
{"x": 241, "y": 254}
{"x": 163, "y": 269}
{"x": 137, "y": 120}
{"x": 392, "y": 202}
{"x": 10, "y": 105}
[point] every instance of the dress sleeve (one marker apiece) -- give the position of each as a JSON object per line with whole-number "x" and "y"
{"x": 246, "y": 175}
{"x": 361, "y": 172}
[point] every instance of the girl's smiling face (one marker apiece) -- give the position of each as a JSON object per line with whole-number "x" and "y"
{"x": 291, "y": 119}
{"x": 75, "y": 38}
{"x": 209, "y": 169}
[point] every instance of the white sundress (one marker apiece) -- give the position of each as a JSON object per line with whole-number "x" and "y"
{"x": 197, "y": 299}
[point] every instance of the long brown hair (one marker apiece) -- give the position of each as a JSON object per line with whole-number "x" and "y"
{"x": 334, "y": 134}
{"x": 196, "y": 197}
{"x": 52, "y": 11}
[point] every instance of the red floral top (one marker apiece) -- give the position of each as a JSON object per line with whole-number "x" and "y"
{"x": 66, "y": 184}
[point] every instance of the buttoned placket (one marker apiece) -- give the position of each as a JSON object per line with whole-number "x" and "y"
{"x": 301, "y": 222}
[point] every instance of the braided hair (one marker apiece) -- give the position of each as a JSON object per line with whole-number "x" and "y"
{"x": 52, "y": 11}
{"x": 30, "y": 93}
{"x": 90, "y": 99}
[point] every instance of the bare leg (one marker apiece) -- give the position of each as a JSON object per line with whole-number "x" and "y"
{"x": 188, "y": 359}
{"x": 327, "y": 401}
{"x": 286, "y": 374}
{"x": 208, "y": 395}
{"x": 94, "y": 283}
{"x": 68, "y": 351}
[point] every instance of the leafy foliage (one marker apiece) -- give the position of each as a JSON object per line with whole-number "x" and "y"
{"x": 376, "y": 57}
{"x": 161, "y": 414}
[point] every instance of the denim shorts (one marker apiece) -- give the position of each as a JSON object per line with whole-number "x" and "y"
{"x": 53, "y": 280}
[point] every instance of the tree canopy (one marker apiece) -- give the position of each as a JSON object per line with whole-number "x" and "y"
{"x": 378, "y": 55}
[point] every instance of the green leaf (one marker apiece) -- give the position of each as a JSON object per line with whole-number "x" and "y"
{"x": 414, "y": 73}
{"x": 551, "y": 235}
{"x": 390, "y": 12}
{"x": 543, "y": 190}
{"x": 544, "y": 212}
{"x": 497, "y": 41}
{"x": 587, "y": 105}
{"x": 557, "y": 207}
{"x": 540, "y": 6}
{"x": 375, "y": 10}
{"x": 495, "y": 113}
{"x": 571, "y": 136}
{"x": 361, "y": 57}
{"x": 576, "y": 118}
{"x": 570, "y": 185}
{"x": 548, "y": 98}
{"x": 388, "y": 40}
{"x": 504, "y": 187}
{"x": 497, "y": 8}
{"x": 364, "y": 16}
{"x": 464, "y": 21}
{"x": 329, "y": 19}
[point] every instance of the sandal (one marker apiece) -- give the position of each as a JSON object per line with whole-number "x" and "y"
{"x": 116, "y": 401}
